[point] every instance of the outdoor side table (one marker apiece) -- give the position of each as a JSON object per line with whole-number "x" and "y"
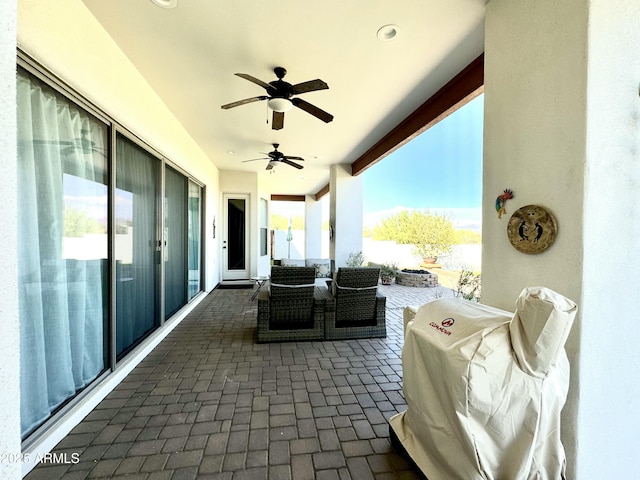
{"x": 260, "y": 281}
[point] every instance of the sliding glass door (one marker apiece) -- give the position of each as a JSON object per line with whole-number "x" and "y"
{"x": 62, "y": 241}
{"x": 182, "y": 230}
{"x": 74, "y": 175}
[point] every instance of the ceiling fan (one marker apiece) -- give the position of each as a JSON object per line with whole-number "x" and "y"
{"x": 276, "y": 156}
{"x": 279, "y": 96}
{"x": 83, "y": 145}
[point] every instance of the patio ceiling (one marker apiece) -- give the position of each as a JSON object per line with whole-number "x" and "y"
{"x": 189, "y": 55}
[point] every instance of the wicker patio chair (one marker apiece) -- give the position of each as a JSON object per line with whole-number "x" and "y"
{"x": 354, "y": 307}
{"x": 291, "y": 310}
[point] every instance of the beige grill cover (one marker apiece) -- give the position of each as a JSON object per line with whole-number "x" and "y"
{"x": 485, "y": 387}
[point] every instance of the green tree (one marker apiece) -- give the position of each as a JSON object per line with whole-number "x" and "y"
{"x": 467, "y": 237}
{"x": 431, "y": 234}
{"x": 280, "y": 222}
{"x": 77, "y": 223}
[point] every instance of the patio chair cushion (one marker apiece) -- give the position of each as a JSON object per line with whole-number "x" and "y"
{"x": 323, "y": 270}
{"x": 322, "y": 266}
{"x": 292, "y": 262}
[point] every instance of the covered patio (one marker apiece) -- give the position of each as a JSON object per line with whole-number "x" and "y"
{"x": 560, "y": 129}
{"x": 209, "y": 402}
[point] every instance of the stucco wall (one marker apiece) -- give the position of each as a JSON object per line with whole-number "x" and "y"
{"x": 609, "y": 410}
{"x": 345, "y": 190}
{"x": 9, "y": 327}
{"x": 534, "y": 144}
{"x": 313, "y": 227}
{"x": 562, "y": 130}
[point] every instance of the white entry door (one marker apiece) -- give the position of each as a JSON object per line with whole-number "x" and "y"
{"x": 235, "y": 240}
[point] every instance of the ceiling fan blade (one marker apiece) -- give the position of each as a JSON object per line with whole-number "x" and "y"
{"x": 69, "y": 150}
{"x": 310, "y": 86}
{"x": 255, "y": 160}
{"x": 288, "y": 162}
{"x": 278, "y": 120}
{"x": 287, "y": 157}
{"x": 255, "y": 80}
{"x": 312, "y": 109}
{"x": 244, "y": 102}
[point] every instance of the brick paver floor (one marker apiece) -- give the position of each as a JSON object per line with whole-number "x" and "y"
{"x": 211, "y": 403}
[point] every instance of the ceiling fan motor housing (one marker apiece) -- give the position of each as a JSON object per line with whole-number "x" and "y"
{"x": 276, "y": 155}
{"x": 281, "y": 89}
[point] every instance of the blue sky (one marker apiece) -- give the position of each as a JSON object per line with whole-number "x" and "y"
{"x": 440, "y": 170}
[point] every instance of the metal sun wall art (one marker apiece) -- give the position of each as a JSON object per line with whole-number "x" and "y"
{"x": 532, "y": 229}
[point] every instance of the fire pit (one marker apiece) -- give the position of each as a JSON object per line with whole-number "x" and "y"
{"x": 417, "y": 278}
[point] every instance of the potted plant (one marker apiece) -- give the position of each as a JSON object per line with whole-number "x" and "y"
{"x": 356, "y": 259}
{"x": 429, "y": 252}
{"x": 388, "y": 273}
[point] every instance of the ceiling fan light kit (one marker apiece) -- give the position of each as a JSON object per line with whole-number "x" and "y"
{"x": 280, "y": 104}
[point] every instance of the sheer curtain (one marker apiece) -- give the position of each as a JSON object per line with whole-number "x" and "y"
{"x": 62, "y": 267}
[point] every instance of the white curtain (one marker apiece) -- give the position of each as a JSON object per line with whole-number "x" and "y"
{"x": 62, "y": 264}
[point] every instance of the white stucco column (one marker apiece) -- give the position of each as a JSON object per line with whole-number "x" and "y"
{"x": 10, "y": 443}
{"x": 312, "y": 227}
{"x": 345, "y": 213}
{"x": 562, "y": 130}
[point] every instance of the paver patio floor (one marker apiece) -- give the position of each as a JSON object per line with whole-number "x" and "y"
{"x": 211, "y": 403}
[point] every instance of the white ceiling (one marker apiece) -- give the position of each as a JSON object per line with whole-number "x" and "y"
{"x": 189, "y": 55}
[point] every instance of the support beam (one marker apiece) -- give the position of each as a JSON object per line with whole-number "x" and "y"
{"x": 287, "y": 198}
{"x": 322, "y": 192}
{"x": 460, "y": 90}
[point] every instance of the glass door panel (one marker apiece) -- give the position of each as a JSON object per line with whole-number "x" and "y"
{"x": 136, "y": 244}
{"x": 235, "y": 241}
{"x": 175, "y": 241}
{"x": 195, "y": 219}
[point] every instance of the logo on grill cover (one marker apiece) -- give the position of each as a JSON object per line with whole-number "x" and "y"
{"x": 444, "y": 325}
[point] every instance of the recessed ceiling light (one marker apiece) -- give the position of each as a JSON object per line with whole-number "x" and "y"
{"x": 231, "y": 152}
{"x": 387, "y": 33}
{"x": 166, "y": 3}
